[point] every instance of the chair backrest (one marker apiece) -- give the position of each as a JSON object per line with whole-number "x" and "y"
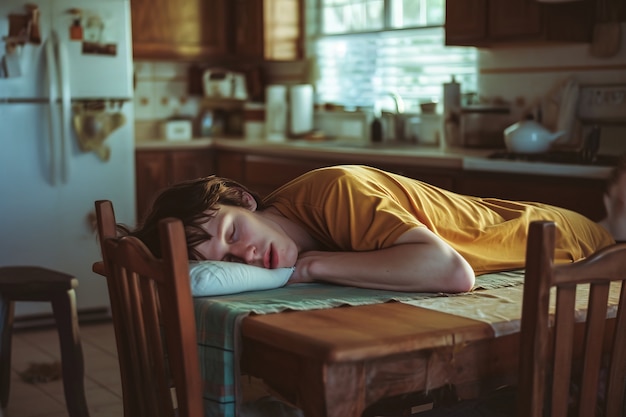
{"x": 153, "y": 318}
{"x": 547, "y": 350}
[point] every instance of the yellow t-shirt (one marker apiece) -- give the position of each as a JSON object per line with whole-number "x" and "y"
{"x": 359, "y": 208}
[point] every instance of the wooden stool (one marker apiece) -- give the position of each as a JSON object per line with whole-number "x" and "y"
{"x": 29, "y": 283}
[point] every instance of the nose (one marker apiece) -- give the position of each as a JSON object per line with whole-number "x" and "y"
{"x": 245, "y": 252}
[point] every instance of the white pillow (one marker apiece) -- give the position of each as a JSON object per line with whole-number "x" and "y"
{"x": 221, "y": 277}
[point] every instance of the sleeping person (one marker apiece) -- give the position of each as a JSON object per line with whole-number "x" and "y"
{"x": 364, "y": 227}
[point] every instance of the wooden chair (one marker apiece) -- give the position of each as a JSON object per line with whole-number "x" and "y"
{"x": 34, "y": 283}
{"x": 546, "y": 351}
{"x": 154, "y": 320}
{"x": 549, "y": 346}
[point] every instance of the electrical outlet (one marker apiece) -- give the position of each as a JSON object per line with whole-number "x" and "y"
{"x": 603, "y": 103}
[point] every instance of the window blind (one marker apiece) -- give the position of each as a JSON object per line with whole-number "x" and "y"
{"x": 357, "y": 70}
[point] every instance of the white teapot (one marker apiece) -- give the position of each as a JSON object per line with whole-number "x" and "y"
{"x": 528, "y": 136}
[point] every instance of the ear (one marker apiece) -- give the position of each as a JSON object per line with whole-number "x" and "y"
{"x": 249, "y": 201}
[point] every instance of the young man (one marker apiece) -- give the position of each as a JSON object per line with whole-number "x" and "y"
{"x": 363, "y": 227}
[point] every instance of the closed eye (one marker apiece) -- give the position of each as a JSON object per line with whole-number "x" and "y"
{"x": 232, "y": 258}
{"x": 232, "y": 238}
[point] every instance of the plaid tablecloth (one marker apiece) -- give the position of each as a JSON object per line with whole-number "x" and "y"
{"x": 218, "y": 321}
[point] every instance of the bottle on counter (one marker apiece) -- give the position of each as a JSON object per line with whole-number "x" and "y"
{"x": 451, "y": 128}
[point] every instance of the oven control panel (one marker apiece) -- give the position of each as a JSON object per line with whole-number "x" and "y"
{"x": 603, "y": 103}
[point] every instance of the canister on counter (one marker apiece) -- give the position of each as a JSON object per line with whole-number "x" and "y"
{"x": 276, "y": 113}
{"x": 254, "y": 120}
{"x": 450, "y": 120}
{"x": 482, "y": 126}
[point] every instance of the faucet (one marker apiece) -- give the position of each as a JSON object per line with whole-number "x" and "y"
{"x": 397, "y": 99}
{"x": 393, "y": 123}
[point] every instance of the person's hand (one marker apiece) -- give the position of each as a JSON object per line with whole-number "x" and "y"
{"x": 301, "y": 273}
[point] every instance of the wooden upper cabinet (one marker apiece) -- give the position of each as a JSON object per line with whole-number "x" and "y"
{"x": 513, "y": 19}
{"x": 499, "y": 22}
{"x": 283, "y": 27}
{"x": 466, "y": 21}
{"x": 270, "y": 30}
{"x": 178, "y": 29}
{"x": 248, "y": 28}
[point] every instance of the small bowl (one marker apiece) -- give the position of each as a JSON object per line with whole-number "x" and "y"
{"x": 428, "y": 108}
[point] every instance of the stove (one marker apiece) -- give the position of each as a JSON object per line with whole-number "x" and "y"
{"x": 558, "y": 157}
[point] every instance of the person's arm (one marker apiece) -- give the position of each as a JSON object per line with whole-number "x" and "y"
{"x": 419, "y": 261}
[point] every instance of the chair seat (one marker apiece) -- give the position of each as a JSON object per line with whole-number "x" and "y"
{"x": 33, "y": 283}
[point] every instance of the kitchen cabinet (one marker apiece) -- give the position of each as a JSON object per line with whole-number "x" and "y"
{"x": 583, "y": 195}
{"x": 265, "y": 173}
{"x": 157, "y": 169}
{"x": 218, "y": 30}
{"x": 270, "y": 30}
{"x": 248, "y": 28}
{"x": 485, "y": 23}
{"x": 182, "y": 29}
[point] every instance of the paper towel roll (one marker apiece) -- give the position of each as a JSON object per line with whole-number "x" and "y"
{"x": 301, "y": 109}
{"x": 276, "y": 112}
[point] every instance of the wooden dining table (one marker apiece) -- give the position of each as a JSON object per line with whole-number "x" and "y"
{"x": 337, "y": 362}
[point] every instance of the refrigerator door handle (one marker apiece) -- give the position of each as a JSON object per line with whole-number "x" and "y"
{"x": 53, "y": 140}
{"x": 66, "y": 107}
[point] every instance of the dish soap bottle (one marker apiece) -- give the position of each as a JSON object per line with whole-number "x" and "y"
{"x": 376, "y": 128}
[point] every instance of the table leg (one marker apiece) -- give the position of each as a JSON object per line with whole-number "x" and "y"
{"x": 336, "y": 383}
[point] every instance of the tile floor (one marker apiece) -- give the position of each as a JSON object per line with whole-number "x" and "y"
{"x": 102, "y": 379}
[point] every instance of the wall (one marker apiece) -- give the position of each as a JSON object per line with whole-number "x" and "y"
{"x": 530, "y": 72}
{"x": 161, "y": 91}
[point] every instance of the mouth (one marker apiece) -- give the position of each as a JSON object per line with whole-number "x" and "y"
{"x": 267, "y": 259}
{"x": 272, "y": 258}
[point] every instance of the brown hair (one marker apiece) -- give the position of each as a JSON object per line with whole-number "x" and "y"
{"x": 192, "y": 202}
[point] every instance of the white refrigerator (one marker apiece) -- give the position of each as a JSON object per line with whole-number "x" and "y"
{"x": 66, "y": 137}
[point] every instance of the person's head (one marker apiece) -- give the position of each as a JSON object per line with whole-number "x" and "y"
{"x": 194, "y": 202}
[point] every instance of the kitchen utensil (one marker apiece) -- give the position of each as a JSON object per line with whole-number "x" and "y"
{"x": 176, "y": 129}
{"x": 567, "y": 108}
{"x": 482, "y": 125}
{"x": 221, "y": 83}
{"x": 589, "y": 151}
{"x": 528, "y": 136}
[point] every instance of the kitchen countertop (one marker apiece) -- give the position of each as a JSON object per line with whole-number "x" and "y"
{"x": 451, "y": 158}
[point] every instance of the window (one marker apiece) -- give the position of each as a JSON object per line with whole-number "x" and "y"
{"x": 367, "y": 49}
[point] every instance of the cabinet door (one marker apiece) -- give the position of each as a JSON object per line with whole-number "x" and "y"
{"x": 513, "y": 19}
{"x": 501, "y": 22}
{"x": 283, "y": 30}
{"x": 187, "y": 165}
{"x": 466, "y": 21}
{"x": 264, "y": 174}
{"x": 248, "y": 31}
{"x": 583, "y": 195}
{"x": 178, "y": 29}
{"x": 151, "y": 175}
